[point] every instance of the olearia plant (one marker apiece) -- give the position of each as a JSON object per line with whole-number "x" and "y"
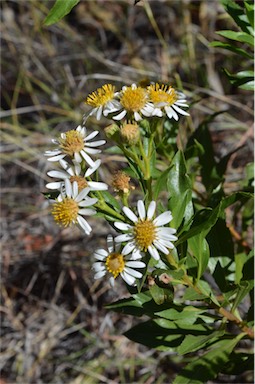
{"x": 169, "y": 241}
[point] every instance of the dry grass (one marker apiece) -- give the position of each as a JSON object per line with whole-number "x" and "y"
{"x": 54, "y": 325}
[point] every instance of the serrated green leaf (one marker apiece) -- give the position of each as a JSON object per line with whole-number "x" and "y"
{"x": 193, "y": 343}
{"x": 208, "y": 366}
{"x": 237, "y": 36}
{"x": 59, "y": 10}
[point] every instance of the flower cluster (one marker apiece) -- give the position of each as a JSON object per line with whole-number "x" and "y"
{"x": 143, "y": 237}
{"x": 73, "y": 177}
{"x": 136, "y": 102}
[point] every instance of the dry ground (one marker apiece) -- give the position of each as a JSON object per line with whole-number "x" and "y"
{"x": 55, "y": 328}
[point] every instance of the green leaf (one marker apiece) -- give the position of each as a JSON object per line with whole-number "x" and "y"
{"x": 161, "y": 295}
{"x": 188, "y": 315}
{"x": 193, "y": 343}
{"x": 208, "y": 366}
{"x": 243, "y": 79}
{"x": 60, "y": 9}
{"x": 250, "y": 12}
{"x": 160, "y": 184}
{"x": 191, "y": 294}
{"x": 200, "y": 250}
{"x": 237, "y": 14}
{"x": 232, "y": 48}
{"x": 179, "y": 188}
{"x": 108, "y": 197}
{"x": 237, "y": 36}
{"x": 164, "y": 334}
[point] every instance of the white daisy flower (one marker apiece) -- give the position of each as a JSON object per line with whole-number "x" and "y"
{"x": 103, "y": 101}
{"x": 70, "y": 207}
{"x": 77, "y": 145}
{"x": 167, "y": 101}
{"x": 113, "y": 263}
{"x": 74, "y": 173}
{"x": 134, "y": 103}
{"x": 146, "y": 234}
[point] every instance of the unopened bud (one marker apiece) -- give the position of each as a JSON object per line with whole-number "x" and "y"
{"x": 111, "y": 131}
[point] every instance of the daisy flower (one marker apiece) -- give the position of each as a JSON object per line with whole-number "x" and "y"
{"x": 77, "y": 145}
{"x": 167, "y": 101}
{"x": 103, "y": 101}
{"x": 74, "y": 173}
{"x": 146, "y": 233}
{"x": 113, "y": 263}
{"x": 70, "y": 207}
{"x": 134, "y": 103}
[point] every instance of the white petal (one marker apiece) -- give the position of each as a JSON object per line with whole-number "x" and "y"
{"x": 129, "y": 247}
{"x": 112, "y": 281}
{"x": 133, "y": 272}
{"x": 99, "y": 112}
{"x": 55, "y": 185}
{"x": 56, "y": 158}
{"x": 141, "y": 209}
{"x": 99, "y": 275}
{"x": 98, "y": 266}
{"x": 180, "y": 110}
{"x": 165, "y": 231}
{"x": 160, "y": 247}
{"x": 68, "y": 187}
{"x": 110, "y": 243}
{"x": 87, "y": 202}
{"x": 151, "y": 210}
{"x": 91, "y": 151}
{"x": 124, "y": 237}
{"x": 75, "y": 190}
{"x": 130, "y": 280}
{"x": 82, "y": 194}
{"x": 135, "y": 264}
{"x": 87, "y": 158}
{"x": 97, "y": 186}
{"x": 122, "y": 226}
{"x": 171, "y": 113}
{"x": 84, "y": 225}
{"x": 95, "y": 143}
{"x": 136, "y": 254}
{"x": 77, "y": 157}
{"x": 137, "y": 116}
{"x": 87, "y": 211}
{"x": 92, "y": 135}
{"x": 91, "y": 170}
{"x": 163, "y": 219}
{"x": 120, "y": 115}
{"x": 101, "y": 252}
{"x": 130, "y": 214}
{"x": 58, "y": 174}
{"x": 153, "y": 252}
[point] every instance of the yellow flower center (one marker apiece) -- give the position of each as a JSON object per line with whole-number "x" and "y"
{"x": 73, "y": 142}
{"x": 144, "y": 233}
{"x": 162, "y": 94}
{"x": 82, "y": 183}
{"x": 115, "y": 264}
{"x": 65, "y": 212}
{"x": 101, "y": 96}
{"x": 133, "y": 100}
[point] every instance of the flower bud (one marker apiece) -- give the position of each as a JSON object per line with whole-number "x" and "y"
{"x": 111, "y": 131}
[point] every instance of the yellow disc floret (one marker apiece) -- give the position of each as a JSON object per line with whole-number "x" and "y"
{"x": 101, "y": 96}
{"x": 162, "y": 94}
{"x": 144, "y": 233}
{"x": 65, "y": 212}
{"x": 82, "y": 183}
{"x": 115, "y": 264}
{"x": 133, "y": 99}
{"x": 73, "y": 142}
